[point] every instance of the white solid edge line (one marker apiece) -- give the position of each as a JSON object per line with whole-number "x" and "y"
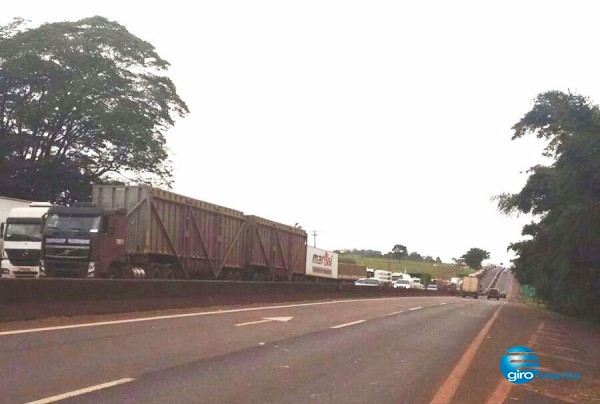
{"x": 81, "y": 391}
{"x": 348, "y": 324}
{"x": 415, "y": 308}
{"x": 203, "y": 313}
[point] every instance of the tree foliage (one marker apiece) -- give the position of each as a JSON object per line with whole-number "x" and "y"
{"x": 474, "y": 257}
{"x": 560, "y": 255}
{"x": 399, "y": 251}
{"x": 81, "y": 102}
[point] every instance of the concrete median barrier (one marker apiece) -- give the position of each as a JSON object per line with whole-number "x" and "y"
{"x": 27, "y": 299}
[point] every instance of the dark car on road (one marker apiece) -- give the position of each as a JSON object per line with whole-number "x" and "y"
{"x": 493, "y": 293}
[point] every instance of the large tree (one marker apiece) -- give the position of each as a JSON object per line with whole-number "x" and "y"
{"x": 561, "y": 255}
{"x": 399, "y": 251}
{"x": 81, "y": 102}
{"x": 474, "y": 257}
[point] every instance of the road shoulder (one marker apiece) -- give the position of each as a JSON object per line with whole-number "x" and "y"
{"x": 562, "y": 344}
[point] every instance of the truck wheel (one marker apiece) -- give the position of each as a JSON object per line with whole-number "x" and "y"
{"x": 167, "y": 272}
{"x": 114, "y": 272}
{"x": 154, "y": 272}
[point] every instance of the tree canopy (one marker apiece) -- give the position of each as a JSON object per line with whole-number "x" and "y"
{"x": 399, "y": 251}
{"x": 560, "y": 256}
{"x": 474, "y": 257}
{"x": 81, "y": 102}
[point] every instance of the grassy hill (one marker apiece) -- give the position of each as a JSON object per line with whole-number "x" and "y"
{"x": 438, "y": 271}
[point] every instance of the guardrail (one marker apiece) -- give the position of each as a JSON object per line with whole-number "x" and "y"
{"x": 27, "y": 299}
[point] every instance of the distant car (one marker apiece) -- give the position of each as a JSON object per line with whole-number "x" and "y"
{"x": 503, "y": 295}
{"x": 493, "y": 293}
{"x": 402, "y": 283}
{"x": 418, "y": 285}
{"x": 367, "y": 282}
{"x": 432, "y": 286}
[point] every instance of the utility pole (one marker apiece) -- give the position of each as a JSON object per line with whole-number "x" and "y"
{"x": 314, "y": 234}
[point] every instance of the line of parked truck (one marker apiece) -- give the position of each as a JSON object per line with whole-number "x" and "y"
{"x": 141, "y": 232}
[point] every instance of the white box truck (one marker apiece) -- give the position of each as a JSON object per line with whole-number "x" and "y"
{"x": 22, "y": 235}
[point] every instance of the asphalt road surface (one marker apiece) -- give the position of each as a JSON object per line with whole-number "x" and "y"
{"x": 434, "y": 349}
{"x": 390, "y": 350}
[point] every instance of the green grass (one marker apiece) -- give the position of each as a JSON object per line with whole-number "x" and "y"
{"x": 540, "y": 304}
{"x": 438, "y": 271}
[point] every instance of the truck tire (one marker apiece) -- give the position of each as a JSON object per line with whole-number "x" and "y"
{"x": 114, "y": 272}
{"x": 167, "y": 272}
{"x": 155, "y": 272}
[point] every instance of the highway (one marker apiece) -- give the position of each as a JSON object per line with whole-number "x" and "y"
{"x": 389, "y": 350}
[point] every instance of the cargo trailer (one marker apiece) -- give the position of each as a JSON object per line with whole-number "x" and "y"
{"x": 274, "y": 251}
{"x": 470, "y": 286}
{"x": 321, "y": 266}
{"x": 143, "y": 232}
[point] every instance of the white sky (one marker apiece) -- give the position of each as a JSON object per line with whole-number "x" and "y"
{"x": 373, "y": 122}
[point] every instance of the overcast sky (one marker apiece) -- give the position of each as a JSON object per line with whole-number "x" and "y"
{"x": 373, "y": 123}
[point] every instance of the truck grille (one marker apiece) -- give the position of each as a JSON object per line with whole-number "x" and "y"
{"x": 66, "y": 269}
{"x": 67, "y": 252}
{"x": 25, "y": 274}
{"x": 25, "y": 258}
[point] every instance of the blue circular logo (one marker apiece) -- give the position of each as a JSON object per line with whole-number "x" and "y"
{"x": 519, "y": 365}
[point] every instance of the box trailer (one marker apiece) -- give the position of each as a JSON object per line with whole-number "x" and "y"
{"x": 321, "y": 263}
{"x": 274, "y": 251}
{"x": 470, "y": 287}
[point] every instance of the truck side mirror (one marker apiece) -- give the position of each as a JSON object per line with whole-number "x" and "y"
{"x": 2, "y": 230}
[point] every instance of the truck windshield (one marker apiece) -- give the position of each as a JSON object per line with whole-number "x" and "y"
{"x": 23, "y": 232}
{"x": 73, "y": 223}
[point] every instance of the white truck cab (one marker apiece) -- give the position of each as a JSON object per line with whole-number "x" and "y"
{"x": 22, "y": 235}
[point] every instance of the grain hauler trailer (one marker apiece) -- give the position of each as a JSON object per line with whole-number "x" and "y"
{"x": 145, "y": 232}
{"x": 273, "y": 251}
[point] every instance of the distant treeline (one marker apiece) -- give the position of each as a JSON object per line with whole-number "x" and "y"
{"x": 413, "y": 256}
